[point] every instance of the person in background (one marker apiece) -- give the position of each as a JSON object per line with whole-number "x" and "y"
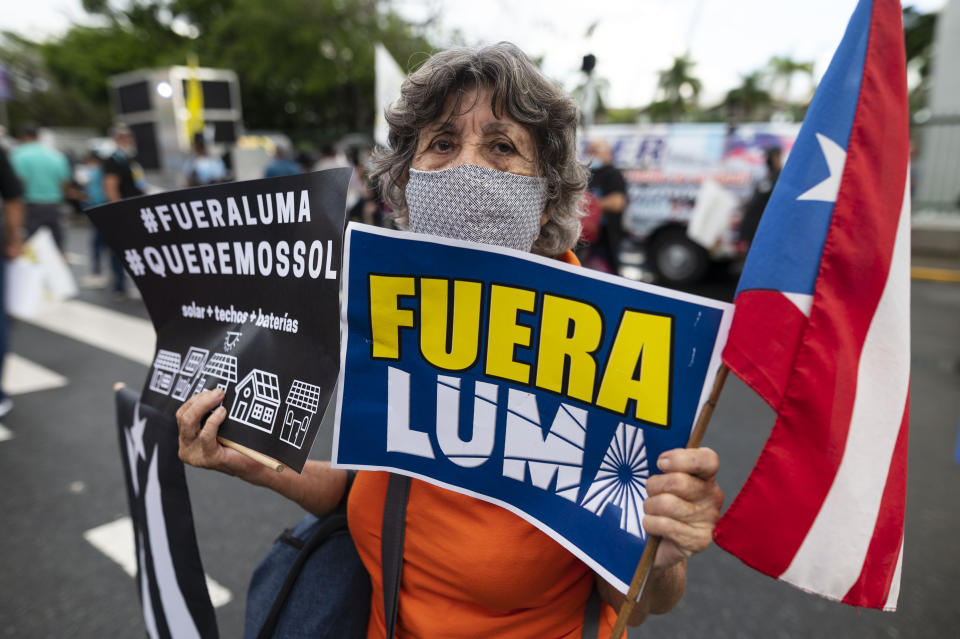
{"x": 45, "y": 174}
{"x": 95, "y": 196}
{"x": 227, "y": 158}
{"x": 122, "y": 176}
{"x": 281, "y": 164}
{"x": 203, "y": 168}
{"x": 753, "y": 211}
{"x": 330, "y": 158}
{"x": 12, "y": 214}
{"x": 610, "y": 189}
{"x": 305, "y": 161}
{"x": 368, "y": 206}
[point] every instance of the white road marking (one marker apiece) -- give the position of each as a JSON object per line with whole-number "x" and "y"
{"x": 76, "y": 259}
{"x": 117, "y": 333}
{"x": 5, "y": 433}
{"x": 20, "y": 376}
{"x": 115, "y": 540}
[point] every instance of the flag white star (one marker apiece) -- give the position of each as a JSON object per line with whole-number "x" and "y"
{"x": 136, "y": 432}
{"x": 836, "y": 157}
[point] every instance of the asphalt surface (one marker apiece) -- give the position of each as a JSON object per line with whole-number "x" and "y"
{"x": 62, "y": 476}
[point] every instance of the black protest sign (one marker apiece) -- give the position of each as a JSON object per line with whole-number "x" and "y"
{"x": 170, "y": 579}
{"x": 241, "y": 281}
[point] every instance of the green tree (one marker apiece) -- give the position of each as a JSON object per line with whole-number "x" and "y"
{"x": 678, "y": 90}
{"x": 599, "y": 86}
{"x": 750, "y": 101}
{"x": 918, "y": 32}
{"x": 782, "y": 69}
{"x": 305, "y": 66}
{"x": 39, "y": 96}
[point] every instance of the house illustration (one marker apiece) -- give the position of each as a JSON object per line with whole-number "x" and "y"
{"x": 258, "y": 400}
{"x": 219, "y": 372}
{"x": 193, "y": 361}
{"x": 165, "y": 366}
{"x": 303, "y": 400}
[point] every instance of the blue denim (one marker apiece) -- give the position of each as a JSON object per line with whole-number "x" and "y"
{"x": 331, "y": 597}
{"x": 3, "y": 319}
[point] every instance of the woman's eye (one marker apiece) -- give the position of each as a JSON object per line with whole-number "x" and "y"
{"x": 441, "y": 145}
{"x": 503, "y": 148}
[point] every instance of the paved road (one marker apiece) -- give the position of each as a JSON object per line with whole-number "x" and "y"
{"x": 62, "y": 476}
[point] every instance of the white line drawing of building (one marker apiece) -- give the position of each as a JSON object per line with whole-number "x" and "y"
{"x": 257, "y": 401}
{"x": 165, "y": 366}
{"x": 193, "y": 361}
{"x": 622, "y": 480}
{"x": 219, "y": 372}
{"x": 303, "y": 400}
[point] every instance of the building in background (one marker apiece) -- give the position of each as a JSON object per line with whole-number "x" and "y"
{"x": 154, "y": 104}
{"x": 936, "y": 135}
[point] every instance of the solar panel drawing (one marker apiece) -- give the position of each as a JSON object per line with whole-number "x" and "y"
{"x": 193, "y": 361}
{"x": 219, "y": 372}
{"x": 165, "y": 366}
{"x": 303, "y": 401}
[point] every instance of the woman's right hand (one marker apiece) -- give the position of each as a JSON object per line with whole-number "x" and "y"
{"x": 198, "y": 440}
{"x": 317, "y": 488}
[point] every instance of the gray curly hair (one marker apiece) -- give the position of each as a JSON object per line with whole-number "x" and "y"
{"x": 519, "y": 90}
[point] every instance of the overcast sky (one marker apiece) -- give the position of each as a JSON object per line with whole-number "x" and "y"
{"x": 632, "y": 39}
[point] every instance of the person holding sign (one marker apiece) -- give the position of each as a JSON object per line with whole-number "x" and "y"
{"x": 483, "y": 149}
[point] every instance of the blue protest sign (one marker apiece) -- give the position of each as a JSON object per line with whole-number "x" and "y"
{"x": 536, "y": 385}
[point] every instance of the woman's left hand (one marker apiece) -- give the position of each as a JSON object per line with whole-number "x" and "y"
{"x": 683, "y": 504}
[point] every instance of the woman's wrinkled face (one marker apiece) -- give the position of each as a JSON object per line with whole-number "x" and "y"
{"x": 475, "y": 137}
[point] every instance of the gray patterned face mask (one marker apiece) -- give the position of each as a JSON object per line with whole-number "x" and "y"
{"x": 477, "y": 204}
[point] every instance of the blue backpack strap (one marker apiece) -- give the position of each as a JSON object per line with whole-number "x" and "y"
{"x": 391, "y": 550}
{"x": 391, "y": 546}
{"x": 591, "y": 616}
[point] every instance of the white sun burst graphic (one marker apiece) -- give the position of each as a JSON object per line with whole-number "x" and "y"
{"x": 622, "y": 480}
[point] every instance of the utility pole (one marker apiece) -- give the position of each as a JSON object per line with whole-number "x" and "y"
{"x": 588, "y": 105}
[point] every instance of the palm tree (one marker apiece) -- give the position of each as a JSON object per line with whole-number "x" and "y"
{"x": 782, "y": 69}
{"x": 589, "y": 96}
{"x": 678, "y": 87}
{"x": 746, "y": 102}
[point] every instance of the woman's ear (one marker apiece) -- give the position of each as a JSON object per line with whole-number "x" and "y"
{"x": 403, "y": 179}
{"x": 546, "y": 215}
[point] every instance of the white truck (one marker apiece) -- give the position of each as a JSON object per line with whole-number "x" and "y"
{"x": 667, "y": 166}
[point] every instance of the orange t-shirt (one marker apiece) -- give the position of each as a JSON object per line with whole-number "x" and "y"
{"x": 471, "y": 569}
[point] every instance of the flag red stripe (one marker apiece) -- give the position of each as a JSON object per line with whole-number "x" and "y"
{"x": 766, "y": 363}
{"x": 878, "y": 570}
{"x": 771, "y": 515}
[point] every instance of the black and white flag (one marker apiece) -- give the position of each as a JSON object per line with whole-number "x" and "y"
{"x": 170, "y": 577}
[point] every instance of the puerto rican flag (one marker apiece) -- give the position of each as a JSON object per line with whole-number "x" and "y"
{"x": 822, "y": 332}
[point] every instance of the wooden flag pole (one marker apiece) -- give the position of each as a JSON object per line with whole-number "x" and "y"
{"x": 642, "y": 573}
{"x": 255, "y": 455}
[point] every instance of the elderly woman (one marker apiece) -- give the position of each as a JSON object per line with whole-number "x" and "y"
{"x": 483, "y": 149}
